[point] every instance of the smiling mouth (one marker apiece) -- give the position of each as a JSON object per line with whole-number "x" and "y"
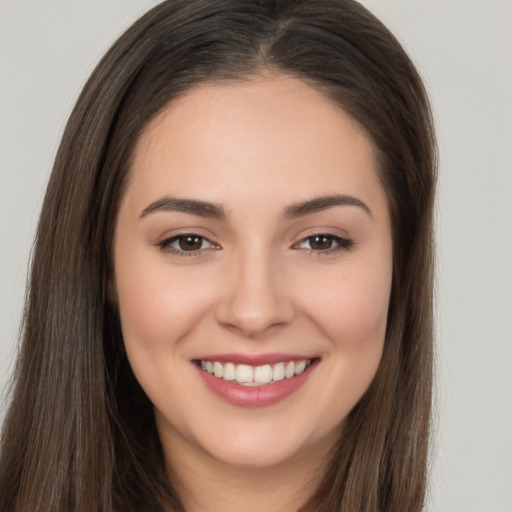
{"x": 247, "y": 375}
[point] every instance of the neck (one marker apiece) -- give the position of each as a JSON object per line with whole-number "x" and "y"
{"x": 205, "y": 484}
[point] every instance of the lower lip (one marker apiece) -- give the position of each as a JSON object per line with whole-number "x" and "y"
{"x": 255, "y": 396}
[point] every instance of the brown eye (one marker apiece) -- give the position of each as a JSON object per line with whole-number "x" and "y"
{"x": 321, "y": 242}
{"x": 187, "y": 244}
{"x": 190, "y": 242}
{"x": 324, "y": 243}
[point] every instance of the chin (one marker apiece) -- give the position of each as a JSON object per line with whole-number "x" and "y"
{"x": 254, "y": 447}
{"x": 252, "y": 454}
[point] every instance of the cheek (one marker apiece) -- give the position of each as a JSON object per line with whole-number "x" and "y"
{"x": 157, "y": 306}
{"x": 353, "y": 307}
{"x": 352, "y": 314}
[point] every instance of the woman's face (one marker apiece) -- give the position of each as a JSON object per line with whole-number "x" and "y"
{"x": 253, "y": 241}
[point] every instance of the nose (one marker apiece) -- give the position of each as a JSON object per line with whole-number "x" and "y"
{"x": 256, "y": 297}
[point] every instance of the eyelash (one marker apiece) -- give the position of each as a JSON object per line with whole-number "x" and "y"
{"x": 342, "y": 244}
{"x": 166, "y": 245}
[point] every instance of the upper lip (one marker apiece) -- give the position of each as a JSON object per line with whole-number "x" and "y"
{"x": 255, "y": 359}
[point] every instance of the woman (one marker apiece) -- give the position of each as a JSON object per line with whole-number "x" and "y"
{"x": 230, "y": 298}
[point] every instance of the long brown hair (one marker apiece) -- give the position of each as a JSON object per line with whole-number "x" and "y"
{"x": 80, "y": 433}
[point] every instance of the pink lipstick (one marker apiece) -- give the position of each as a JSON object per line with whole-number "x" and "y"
{"x": 255, "y": 380}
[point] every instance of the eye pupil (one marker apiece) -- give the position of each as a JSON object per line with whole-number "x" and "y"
{"x": 190, "y": 243}
{"x": 321, "y": 242}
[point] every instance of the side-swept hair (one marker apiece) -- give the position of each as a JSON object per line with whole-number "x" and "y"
{"x": 80, "y": 434}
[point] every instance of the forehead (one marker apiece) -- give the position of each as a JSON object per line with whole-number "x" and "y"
{"x": 251, "y": 137}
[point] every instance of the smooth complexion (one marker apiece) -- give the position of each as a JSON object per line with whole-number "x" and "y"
{"x": 226, "y": 247}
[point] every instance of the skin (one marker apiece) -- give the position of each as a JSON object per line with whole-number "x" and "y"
{"x": 256, "y": 285}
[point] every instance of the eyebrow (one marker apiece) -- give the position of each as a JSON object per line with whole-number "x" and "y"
{"x": 318, "y": 204}
{"x": 216, "y": 211}
{"x": 191, "y": 206}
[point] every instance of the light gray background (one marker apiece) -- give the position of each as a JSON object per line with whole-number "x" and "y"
{"x": 463, "y": 48}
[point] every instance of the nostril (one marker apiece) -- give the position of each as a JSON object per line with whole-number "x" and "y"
{"x": 254, "y": 318}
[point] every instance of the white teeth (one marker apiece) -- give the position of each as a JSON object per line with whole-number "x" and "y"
{"x": 218, "y": 369}
{"x": 244, "y": 373}
{"x": 263, "y": 374}
{"x": 300, "y": 367}
{"x": 255, "y": 375}
{"x": 229, "y": 371}
{"x": 278, "y": 372}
